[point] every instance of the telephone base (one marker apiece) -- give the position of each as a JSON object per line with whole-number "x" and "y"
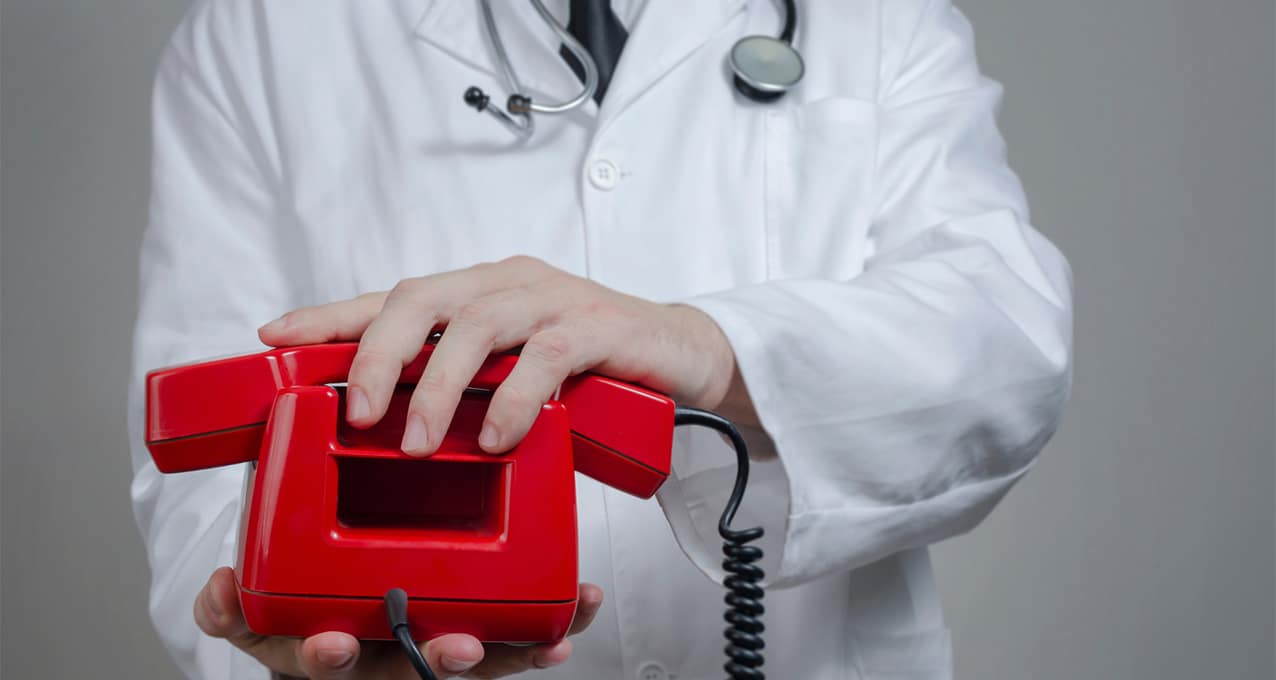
{"x": 293, "y": 615}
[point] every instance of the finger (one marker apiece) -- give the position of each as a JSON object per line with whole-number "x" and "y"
{"x": 491, "y": 323}
{"x": 218, "y": 614}
{"x": 507, "y": 660}
{"x": 589, "y": 601}
{"x": 502, "y": 660}
{"x": 546, "y": 360}
{"x": 453, "y": 654}
{"x": 329, "y": 656}
{"x": 391, "y": 341}
{"x": 395, "y": 337}
{"x": 345, "y": 320}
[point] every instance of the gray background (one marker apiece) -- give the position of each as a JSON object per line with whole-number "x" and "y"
{"x": 1142, "y": 547}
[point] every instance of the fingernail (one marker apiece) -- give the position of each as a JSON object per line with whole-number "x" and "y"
{"x": 489, "y": 437}
{"x": 276, "y": 325}
{"x": 359, "y": 407}
{"x": 211, "y": 602}
{"x": 452, "y": 665}
{"x": 334, "y": 658}
{"x": 415, "y": 438}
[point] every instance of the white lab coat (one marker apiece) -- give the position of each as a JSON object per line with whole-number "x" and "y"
{"x": 903, "y": 330}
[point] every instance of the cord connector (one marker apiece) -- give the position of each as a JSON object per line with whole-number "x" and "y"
{"x": 396, "y": 613}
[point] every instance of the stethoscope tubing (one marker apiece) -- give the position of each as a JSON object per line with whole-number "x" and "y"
{"x": 519, "y": 107}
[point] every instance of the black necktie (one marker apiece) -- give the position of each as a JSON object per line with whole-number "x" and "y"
{"x": 600, "y": 31}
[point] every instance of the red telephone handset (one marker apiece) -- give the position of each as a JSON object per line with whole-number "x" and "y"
{"x": 334, "y": 517}
{"x": 213, "y": 413}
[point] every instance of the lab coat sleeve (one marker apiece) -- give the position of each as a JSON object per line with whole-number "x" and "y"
{"x": 212, "y": 271}
{"x": 902, "y": 404}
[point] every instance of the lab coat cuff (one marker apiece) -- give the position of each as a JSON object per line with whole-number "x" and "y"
{"x": 703, "y": 469}
{"x": 730, "y": 310}
{"x": 752, "y": 355}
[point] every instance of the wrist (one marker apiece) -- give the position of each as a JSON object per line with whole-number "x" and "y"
{"x": 707, "y": 358}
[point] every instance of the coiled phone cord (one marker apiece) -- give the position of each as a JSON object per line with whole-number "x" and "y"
{"x": 744, "y": 594}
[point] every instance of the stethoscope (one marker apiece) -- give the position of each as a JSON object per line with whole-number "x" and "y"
{"x": 764, "y": 67}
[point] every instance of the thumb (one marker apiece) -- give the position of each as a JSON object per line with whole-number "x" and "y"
{"x": 452, "y": 655}
{"x": 218, "y": 614}
{"x": 329, "y": 656}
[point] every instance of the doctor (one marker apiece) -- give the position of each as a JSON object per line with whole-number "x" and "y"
{"x": 847, "y": 270}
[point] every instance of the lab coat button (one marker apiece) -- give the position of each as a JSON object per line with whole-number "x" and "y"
{"x": 604, "y": 174}
{"x": 653, "y": 671}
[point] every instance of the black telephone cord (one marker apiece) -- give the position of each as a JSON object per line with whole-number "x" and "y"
{"x": 744, "y": 592}
{"x": 396, "y": 612}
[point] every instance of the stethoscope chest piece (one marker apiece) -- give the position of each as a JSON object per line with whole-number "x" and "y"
{"x": 765, "y": 67}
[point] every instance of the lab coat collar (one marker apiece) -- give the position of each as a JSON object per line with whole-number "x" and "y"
{"x": 665, "y": 33}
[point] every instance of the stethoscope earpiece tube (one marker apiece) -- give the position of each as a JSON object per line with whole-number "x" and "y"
{"x": 517, "y": 115}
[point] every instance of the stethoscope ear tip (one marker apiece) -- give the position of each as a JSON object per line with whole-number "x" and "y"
{"x": 765, "y": 67}
{"x": 476, "y": 98}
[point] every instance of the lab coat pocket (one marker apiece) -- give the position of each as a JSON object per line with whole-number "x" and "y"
{"x": 820, "y": 160}
{"x": 920, "y": 655}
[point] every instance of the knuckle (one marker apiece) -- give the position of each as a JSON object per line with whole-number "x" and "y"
{"x": 550, "y": 347}
{"x": 527, "y": 265}
{"x": 400, "y": 288}
{"x": 522, "y": 261}
{"x": 518, "y": 402}
{"x": 372, "y": 361}
{"x": 405, "y": 288}
{"x": 375, "y": 298}
{"x": 476, "y": 321}
{"x": 433, "y": 380}
{"x": 474, "y": 314}
{"x": 367, "y": 358}
{"x": 602, "y": 309}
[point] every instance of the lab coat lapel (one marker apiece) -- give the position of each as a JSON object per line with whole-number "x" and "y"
{"x": 666, "y": 32}
{"x": 456, "y": 28}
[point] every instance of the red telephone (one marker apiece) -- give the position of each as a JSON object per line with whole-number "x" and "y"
{"x": 336, "y": 516}
{"x": 342, "y": 530}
